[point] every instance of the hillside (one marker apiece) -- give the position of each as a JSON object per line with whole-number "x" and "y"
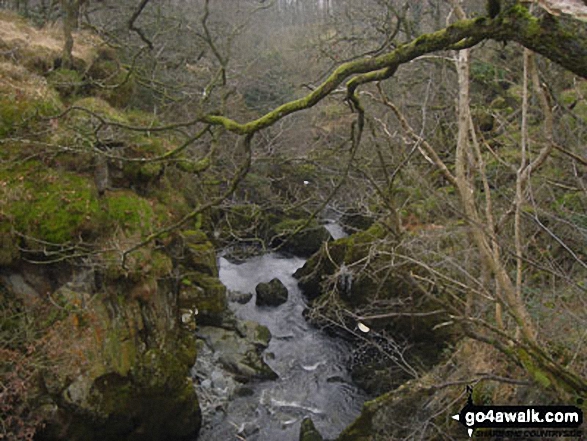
{"x": 91, "y": 344}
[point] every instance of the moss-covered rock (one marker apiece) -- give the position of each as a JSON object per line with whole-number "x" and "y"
{"x": 308, "y": 431}
{"x": 201, "y": 255}
{"x": 47, "y": 205}
{"x": 65, "y": 81}
{"x": 109, "y": 81}
{"x": 389, "y": 416}
{"x": 421, "y": 406}
{"x": 239, "y": 351}
{"x": 24, "y": 99}
{"x": 133, "y": 383}
{"x": 115, "y": 357}
{"x": 342, "y": 251}
{"x": 293, "y": 236}
{"x": 205, "y": 294}
{"x": 273, "y": 293}
{"x": 354, "y": 220}
{"x": 352, "y": 274}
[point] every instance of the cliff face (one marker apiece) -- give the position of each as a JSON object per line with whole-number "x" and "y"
{"x": 117, "y": 360}
{"x": 93, "y": 347}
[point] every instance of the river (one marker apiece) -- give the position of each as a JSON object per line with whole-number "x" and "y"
{"x": 313, "y": 379}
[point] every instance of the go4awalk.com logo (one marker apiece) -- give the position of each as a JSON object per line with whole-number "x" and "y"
{"x": 537, "y": 421}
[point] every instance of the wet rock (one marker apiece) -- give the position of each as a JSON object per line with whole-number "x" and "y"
{"x": 205, "y": 294}
{"x": 239, "y": 297}
{"x": 248, "y": 429}
{"x": 273, "y": 293}
{"x": 240, "y": 351}
{"x": 254, "y": 333}
{"x": 200, "y": 253}
{"x": 244, "y": 392}
{"x": 301, "y": 243}
{"x": 335, "y": 379}
{"x": 354, "y": 220}
{"x": 308, "y": 431}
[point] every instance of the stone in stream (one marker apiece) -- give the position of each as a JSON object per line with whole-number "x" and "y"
{"x": 273, "y": 293}
{"x": 308, "y": 431}
{"x": 239, "y": 297}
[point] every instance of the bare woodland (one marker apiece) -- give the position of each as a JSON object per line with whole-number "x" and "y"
{"x": 458, "y": 127}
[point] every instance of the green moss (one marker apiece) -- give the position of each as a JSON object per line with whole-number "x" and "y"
{"x": 135, "y": 171}
{"x": 119, "y": 352}
{"x": 206, "y": 294}
{"x": 303, "y": 242}
{"x": 129, "y": 212}
{"x": 24, "y": 99}
{"x": 202, "y": 258}
{"x": 288, "y": 226}
{"x": 355, "y": 245}
{"x": 9, "y": 251}
{"x": 188, "y": 350}
{"x": 65, "y": 81}
{"x": 541, "y": 377}
{"x": 154, "y": 398}
{"x": 308, "y": 431}
{"x": 48, "y": 205}
{"x": 111, "y": 82}
{"x": 170, "y": 202}
{"x": 99, "y": 107}
{"x": 140, "y": 118}
{"x": 195, "y": 166}
{"x": 263, "y": 335}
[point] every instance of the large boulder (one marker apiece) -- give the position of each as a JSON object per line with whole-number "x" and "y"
{"x": 354, "y": 220}
{"x": 421, "y": 406}
{"x": 239, "y": 350}
{"x": 341, "y": 254}
{"x": 294, "y": 236}
{"x": 273, "y": 293}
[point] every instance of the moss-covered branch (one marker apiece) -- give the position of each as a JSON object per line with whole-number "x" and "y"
{"x": 564, "y": 45}
{"x": 371, "y": 69}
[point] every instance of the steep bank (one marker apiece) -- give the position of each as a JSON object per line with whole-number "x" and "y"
{"x": 407, "y": 349}
{"x": 94, "y": 346}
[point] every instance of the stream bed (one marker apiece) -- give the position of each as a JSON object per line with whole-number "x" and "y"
{"x": 313, "y": 379}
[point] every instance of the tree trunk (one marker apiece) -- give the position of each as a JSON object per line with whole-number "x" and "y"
{"x": 70, "y": 23}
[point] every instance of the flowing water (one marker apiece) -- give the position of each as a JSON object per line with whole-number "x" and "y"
{"x": 313, "y": 380}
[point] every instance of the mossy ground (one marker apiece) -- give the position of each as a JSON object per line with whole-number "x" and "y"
{"x": 24, "y": 98}
{"x": 46, "y": 204}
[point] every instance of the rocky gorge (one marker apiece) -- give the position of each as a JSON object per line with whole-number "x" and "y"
{"x": 155, "y": 288}
{"x": 102, "y": 346}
